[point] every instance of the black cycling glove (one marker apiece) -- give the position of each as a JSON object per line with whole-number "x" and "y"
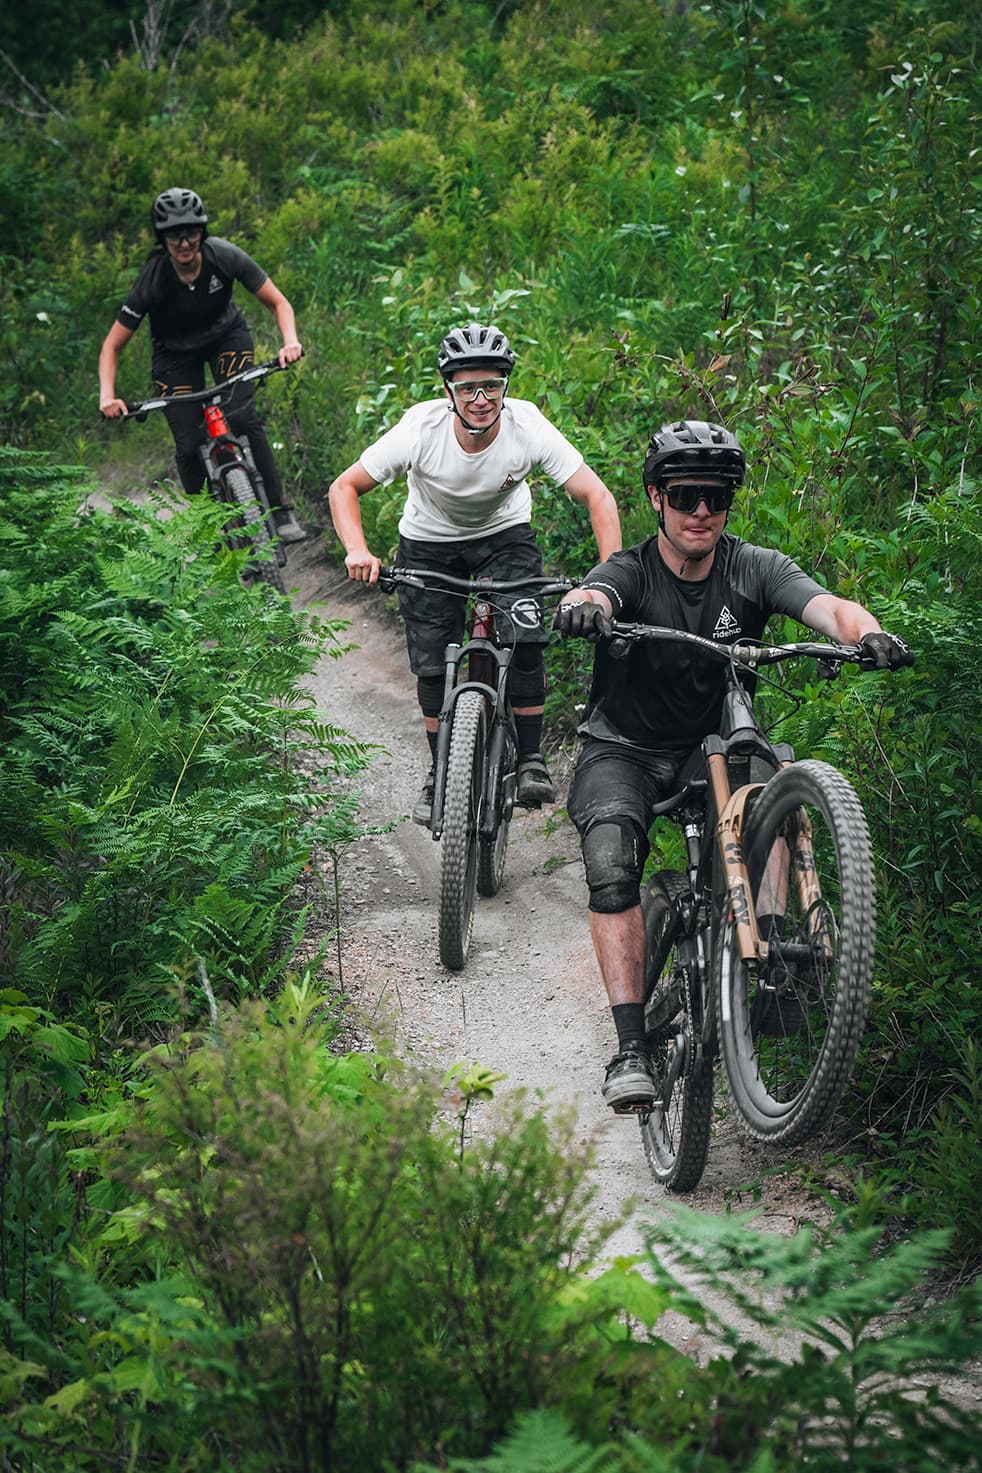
{"x": 884, "y": 651}
{"x": 582, "y": 621}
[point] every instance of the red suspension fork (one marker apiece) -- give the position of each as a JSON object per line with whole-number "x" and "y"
{"x": 215, "y": 421}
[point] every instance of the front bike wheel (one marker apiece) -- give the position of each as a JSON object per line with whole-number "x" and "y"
{"x": 463, "y": 800}
{"x": 493, "y": 848}
{"x": 239, "y": 491}
{"x": 675, "y": 1132}
{"x": 791, "y": 1027}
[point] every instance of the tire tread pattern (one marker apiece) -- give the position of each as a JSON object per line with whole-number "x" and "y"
{"x": 458, "y": 846}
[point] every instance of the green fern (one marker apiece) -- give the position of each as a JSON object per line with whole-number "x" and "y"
{"x": 541, "y": 1443}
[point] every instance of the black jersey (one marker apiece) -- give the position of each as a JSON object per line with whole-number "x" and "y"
{"x": 188, "y": 317}
{"x": 666, "y": 696}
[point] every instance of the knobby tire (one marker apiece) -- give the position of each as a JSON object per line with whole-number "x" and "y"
{"x": 790, "y": 1036}
{"x": 675, "y": 1132}
{"x": 239, "y": 490}
{"x": 463, "y": 801}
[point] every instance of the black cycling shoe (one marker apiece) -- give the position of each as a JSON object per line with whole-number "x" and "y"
{"x": 629, "y": 1085}
{"x": 534, "y": 783}
{"x": 423, "y": 811}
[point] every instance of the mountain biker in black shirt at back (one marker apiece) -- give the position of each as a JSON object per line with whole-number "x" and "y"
{"x": 185, "y": 287}
{"x": 647, "y": 712}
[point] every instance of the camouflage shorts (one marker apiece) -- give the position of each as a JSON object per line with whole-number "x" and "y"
{"x": 434, "y": 619}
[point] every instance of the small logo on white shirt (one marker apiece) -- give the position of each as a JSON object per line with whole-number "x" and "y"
{"x": 214, "y": 285}
{"x": 508, "y": 483}
{"x": 727, "y": 627}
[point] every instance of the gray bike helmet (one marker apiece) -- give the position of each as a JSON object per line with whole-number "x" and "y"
{"x": 475, "y": 346}
{"x": 694, "y": 447}
{"x": 177, "y": 207}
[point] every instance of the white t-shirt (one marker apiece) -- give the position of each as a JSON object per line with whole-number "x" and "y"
{"x": 455, "y": 496}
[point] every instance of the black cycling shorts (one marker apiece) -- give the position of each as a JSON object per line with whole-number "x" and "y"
{"x": 613, "y": 782}
{"x": 434, "y": 619}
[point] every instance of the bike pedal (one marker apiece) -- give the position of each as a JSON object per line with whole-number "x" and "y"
{"x": 635, "y": 1107}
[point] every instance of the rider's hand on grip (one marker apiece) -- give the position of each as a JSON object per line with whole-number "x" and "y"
{"x": 582, "y": 621}
{"x": 882, "y": 651}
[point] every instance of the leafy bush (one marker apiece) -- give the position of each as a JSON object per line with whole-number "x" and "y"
{"x": 152, "y": 808}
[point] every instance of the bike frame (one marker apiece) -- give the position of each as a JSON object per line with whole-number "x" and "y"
{"x": 487, "y": 672}
{"x": 717, "y": 871}
{"x": 221, "y": 450}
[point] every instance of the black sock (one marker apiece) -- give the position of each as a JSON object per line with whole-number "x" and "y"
{"x": 629, "y": 1022}
{"x": 529, "y": 730}
{"x": 431, "y": 737}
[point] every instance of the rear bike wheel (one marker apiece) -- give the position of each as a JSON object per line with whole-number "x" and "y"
{"x": 239, "y": 491}
{"x": 493, "y": 848}
{"x": 791, "y": 1028}
{"x": 463, "y": 801}
{"x": 675, "y": 1132}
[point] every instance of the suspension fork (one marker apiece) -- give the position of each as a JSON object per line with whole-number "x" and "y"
{"x": 805, "y": 872}
{"x": 731, "y": 808}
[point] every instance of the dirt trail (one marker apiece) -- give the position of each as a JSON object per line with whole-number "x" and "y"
{"x": 530, "y": 1003}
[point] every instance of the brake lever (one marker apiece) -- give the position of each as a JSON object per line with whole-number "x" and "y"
{"x": 828, "y": 669}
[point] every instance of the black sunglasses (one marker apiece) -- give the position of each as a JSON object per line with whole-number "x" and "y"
{"x": 687, "y": 498}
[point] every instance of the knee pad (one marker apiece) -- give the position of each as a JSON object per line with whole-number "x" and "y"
{"x": 527, "y": 676}
{"x": 429, "y": 693}
{"x": 614, "y": 852}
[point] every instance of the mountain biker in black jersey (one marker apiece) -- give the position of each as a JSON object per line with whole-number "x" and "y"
{"x": 648, "y": 711}
{"x": 466, "y": 458}
{"x": 185, "y": 287}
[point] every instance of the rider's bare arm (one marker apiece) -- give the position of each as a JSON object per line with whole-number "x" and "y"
{"x": 839, "y": 618}
{"x": 115, "y": 341}
{"x": 273, "y": 298}
{"x": 586, "y": 487}
{"x": 346, "y": 515}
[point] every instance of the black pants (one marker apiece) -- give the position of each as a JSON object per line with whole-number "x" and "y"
{"x": 184, "y": 373}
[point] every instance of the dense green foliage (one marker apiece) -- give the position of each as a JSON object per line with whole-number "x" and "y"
{"x": 264, "y": 1256}
{"x": 768, "y": 215}
{"x": 154, "y": 817}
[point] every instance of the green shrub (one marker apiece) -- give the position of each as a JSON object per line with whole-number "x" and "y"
{"x": 152, "y": 717}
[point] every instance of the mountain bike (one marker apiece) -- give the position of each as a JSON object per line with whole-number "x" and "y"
{"x": 476, "y": 763}
{"x": 762, "y": 950}
{"x": 231, "y": 471}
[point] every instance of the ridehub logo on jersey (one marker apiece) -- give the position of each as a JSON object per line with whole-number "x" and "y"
{"x": 214, "y": 285}
{"x": 727, "y": 627}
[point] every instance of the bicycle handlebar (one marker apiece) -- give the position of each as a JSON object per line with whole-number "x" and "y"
{"x": 389, "y": 577}
{"x": 831, "y": 657}
{"x": 214, "y": 392}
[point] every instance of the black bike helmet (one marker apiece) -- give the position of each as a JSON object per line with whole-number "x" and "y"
{"x": 177, "y": 207}
{"x": 475, "y": 346}
{"x": 693, "y": 447}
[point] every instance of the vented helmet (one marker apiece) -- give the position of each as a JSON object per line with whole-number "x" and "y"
{"x": 475, "y": 346}
{"x": 177, "y": 207}
{"x": 693, "y": 447}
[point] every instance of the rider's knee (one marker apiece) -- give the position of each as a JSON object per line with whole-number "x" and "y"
{"x": 614, "y": 852}
{"x": 429, "y": 693}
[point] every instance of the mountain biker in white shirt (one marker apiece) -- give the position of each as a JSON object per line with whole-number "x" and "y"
{"x": 466, "y": 458}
